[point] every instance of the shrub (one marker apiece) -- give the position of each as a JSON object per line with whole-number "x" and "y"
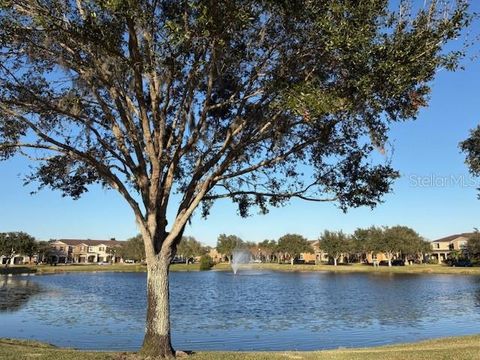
{"x": 206, "y": 262}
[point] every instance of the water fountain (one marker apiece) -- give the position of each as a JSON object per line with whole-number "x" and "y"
{"x": 239, "y": 257}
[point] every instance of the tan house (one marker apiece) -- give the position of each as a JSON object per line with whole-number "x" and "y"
{"x": 84, "y": 251}
{"x": 318, "y": 256}
{"x": 16, "y": 259}
{"x": 374, "y": 257}
{"x": 442, "y": 248}
{"x": 215, "y": 255}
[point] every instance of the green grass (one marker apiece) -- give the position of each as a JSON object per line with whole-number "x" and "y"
{"x": 412, "y": 269}
{"x": 457, "y": 348}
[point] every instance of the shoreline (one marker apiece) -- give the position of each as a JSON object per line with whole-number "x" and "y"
{"x": 351, "y": 268}
{"x": 459, "y": 348}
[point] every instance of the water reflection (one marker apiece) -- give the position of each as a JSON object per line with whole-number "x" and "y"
{"x": 16, "y": 291}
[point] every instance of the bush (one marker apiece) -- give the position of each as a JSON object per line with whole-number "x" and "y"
{"x": 206, "y": 262}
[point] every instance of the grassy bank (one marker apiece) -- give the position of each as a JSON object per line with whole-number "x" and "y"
{"x": 412, "y": 269}
{"x": 458, "y": 348}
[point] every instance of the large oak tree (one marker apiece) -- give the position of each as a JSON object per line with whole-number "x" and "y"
{"x": 256, "y": 101}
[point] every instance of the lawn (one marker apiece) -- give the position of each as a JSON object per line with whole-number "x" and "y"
{"x": 412, "y": 269}
{"x": 458, "y": 348}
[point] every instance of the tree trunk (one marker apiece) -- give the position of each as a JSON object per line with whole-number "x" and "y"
{"x": 335, "y": 261}
{"x": 157, "y": 343}
{"x": 389, "y": 261}
{"x": 291, "y": 261}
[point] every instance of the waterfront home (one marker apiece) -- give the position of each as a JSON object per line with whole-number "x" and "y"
{"x": 318, "y": 256}
{"x": 444, "y": 247}
{"x": 17, "y": 259}
{"x": 215, "y": 255}
{"x": 84, "y": 251}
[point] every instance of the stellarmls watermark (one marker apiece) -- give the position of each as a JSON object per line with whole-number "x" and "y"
{"x": 435, "y": 180}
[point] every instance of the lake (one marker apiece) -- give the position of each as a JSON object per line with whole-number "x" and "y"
{"x": 217, "y": 310}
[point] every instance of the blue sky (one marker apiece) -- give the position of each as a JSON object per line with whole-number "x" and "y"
{"x": 435, "y": 195}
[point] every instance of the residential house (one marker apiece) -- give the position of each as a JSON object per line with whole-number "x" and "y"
{"x": 444, "y": 247}
{"x": 317, "y": 257}
{"x": 376, "y": 257}
{"x": 16, "y": 259}
{"x": 215, "y": 255}
{"x": 84, "y": 251}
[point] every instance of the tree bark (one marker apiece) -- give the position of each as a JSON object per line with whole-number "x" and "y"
{"x": 157, "y": 341}
{"x": 291, "y": 260}
{"x": 335, "y": 261}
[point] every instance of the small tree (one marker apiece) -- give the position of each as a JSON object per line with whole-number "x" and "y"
{"x": 132, "y": 249}
{"x": 267, "y": 249}
{"x": 334, "y": 244}
{"x": 412, "y": 245}
{"x": 359, "y": 244}
{"x": 226, "y": 244}
{"x": 189, "y": 247}
{"x": 15, "y": 243}
{"x": 387, "y": 240}
{"x": 43, "y": 251}
{"x": 293, "y": 245}
{"x": 472, "y": 248}
{"x": 206, "y": 262}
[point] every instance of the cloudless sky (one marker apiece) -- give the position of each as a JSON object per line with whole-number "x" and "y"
{"x": 435, "y": 194}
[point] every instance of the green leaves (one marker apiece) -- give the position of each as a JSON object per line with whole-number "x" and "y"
{"x": 334, "y": 243}
{"x": 256, "y": 101}
{"x": 189, "y": 247}
{"x": 293, "y": 245}
{"x": 227, "y": 244}
{"x": 17, "y": 243}
{"x": 471, "y": 148}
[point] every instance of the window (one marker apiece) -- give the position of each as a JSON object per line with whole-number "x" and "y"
{"x": 90, "y": 249}
{"x": 437, "y": 246}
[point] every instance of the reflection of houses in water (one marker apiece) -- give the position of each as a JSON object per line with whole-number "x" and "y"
{"x": 84, "y": 251}
{"x": 15, "y": 292}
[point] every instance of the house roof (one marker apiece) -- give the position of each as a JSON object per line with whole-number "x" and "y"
{"x": 90, "y": 242}
{"x": 453, "y": 237}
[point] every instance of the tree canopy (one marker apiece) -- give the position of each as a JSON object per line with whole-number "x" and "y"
{"x": 17, "y": 243}
{"x": 226, "y": 244}
{"x": 132, "y": 249}
{"x": 473, "y": 247}
{"x": 471, "y": 147}
{"x": 293, "y": 245}
{"x": 189, "y": 247}
{"x": 334, "y": 244}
